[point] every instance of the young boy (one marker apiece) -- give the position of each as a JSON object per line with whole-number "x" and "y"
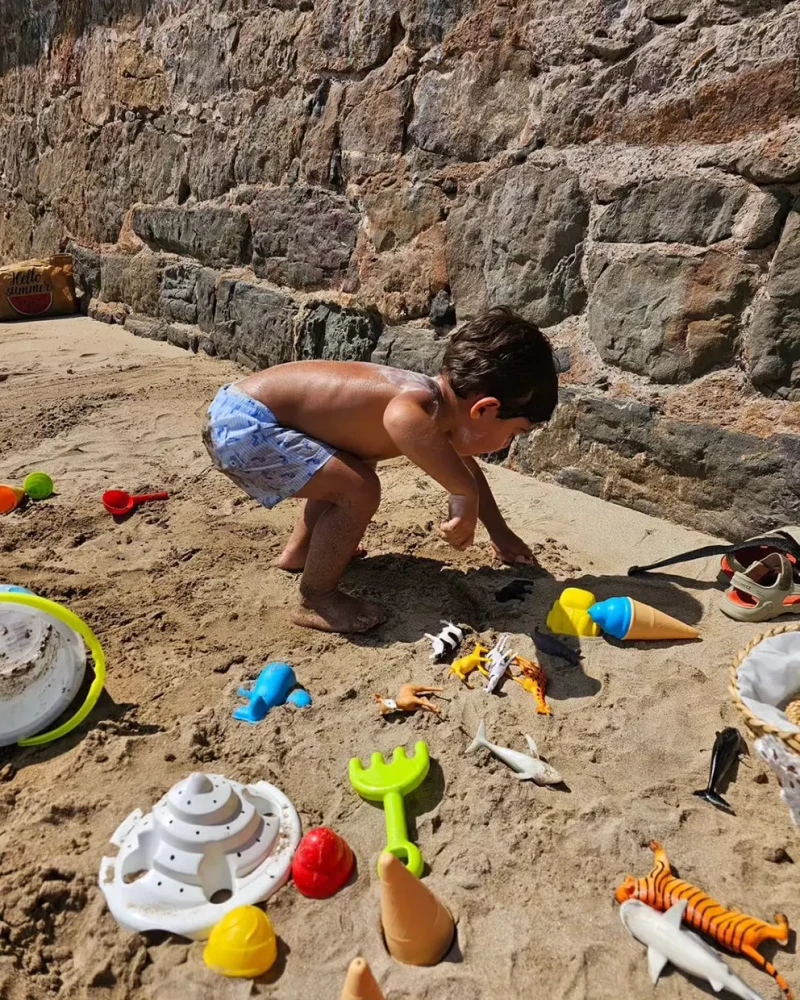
{"x": 317, "y": 429}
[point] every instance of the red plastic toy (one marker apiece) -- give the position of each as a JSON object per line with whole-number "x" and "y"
{"x": 119, "y": 502}
{"x": 322, "y": 864}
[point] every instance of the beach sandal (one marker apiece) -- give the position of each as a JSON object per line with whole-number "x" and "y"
{"x": 739, "y": 557}
{"x": 769, "y": 588}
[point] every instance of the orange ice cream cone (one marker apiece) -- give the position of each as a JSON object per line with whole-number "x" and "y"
{"x": 360, "y": 983}
{"x": 418, "y": 928}
{"x": 650, "y": 623}
{"x": 10, "y": 498}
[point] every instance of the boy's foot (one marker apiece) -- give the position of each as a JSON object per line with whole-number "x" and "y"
{"x": 338, "y": 612}
{"x": 294, "y": 560}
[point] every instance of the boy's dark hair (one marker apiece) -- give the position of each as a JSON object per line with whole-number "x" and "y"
{"x": 500, "y": 354}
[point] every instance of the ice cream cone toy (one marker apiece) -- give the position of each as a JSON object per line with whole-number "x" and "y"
{"x": 360, "y": 983}
{"x": 38, "y": 485}
{"x": 10, "y": 498}
{"x": 242, "y": 944}
{"x": 417, "y": 927}
{"x": 409, "y": 699}
{"x": 569, "y": 615}
{"x": 624, "y": 618}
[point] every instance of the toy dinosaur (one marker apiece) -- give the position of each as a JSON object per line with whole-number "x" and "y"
{"x": 408, "y": 699}
{"x": 534, "y": 680}
{"x": 464, "y": 665}
{"x": 735, "y": 931}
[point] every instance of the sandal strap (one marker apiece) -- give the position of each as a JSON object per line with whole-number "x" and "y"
{"x": 783, "y": 587}
{"x": 779, "y": 541}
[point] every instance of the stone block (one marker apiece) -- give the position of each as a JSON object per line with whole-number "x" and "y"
{"x": 772, "y": 341}
{"x": 178, "y": 293}
{"x": 206, "y": 298}
{"x": 667, "y": 316}
{"x": 517, "y": 240}
{"x": 412, "y": 348}
{"x": 218, "y": 237}
{"x": 693, "y": 209}
{"x": 336, "y": 334}
{"x": 302, "y": 237}
{"x": 253, "y": 325}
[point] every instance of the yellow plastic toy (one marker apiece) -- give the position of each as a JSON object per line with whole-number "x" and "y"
{"x": 242, "y": 944}
{"x": 570, "y": 614}
{"x": 464, "y": 665}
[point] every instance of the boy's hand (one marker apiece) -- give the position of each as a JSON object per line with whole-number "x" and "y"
{"x": 510, "y": 548}
{"x": 459, "y": 531}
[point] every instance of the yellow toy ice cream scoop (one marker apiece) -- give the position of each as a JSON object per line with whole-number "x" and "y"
{"x": 570, "y": 614}
{"x": 242, "y": 944}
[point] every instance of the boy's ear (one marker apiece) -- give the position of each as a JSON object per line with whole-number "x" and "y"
{"x": 484, "y": 405}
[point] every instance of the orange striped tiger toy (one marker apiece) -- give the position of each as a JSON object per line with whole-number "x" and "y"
{"x": 735, "y": 931}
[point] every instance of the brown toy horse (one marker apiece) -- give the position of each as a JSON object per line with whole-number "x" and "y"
{"x": 735, "y": 931}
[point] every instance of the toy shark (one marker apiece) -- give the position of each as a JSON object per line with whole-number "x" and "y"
{"x": 528, "y": 767}
{"x": 498, "y": 661}
{"x": 666, "y": 942}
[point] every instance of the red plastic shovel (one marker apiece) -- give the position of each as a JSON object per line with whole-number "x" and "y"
{"x": 119, "y": 502}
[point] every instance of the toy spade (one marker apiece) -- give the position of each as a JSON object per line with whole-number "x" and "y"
{"x": 118, "y": 502}
{"x": 389, "y": 783}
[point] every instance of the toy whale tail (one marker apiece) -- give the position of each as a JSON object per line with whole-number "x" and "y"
{"x": 715, "y": 799}
{"x": 480, "y": 739}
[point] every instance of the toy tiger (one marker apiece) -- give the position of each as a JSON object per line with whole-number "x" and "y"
{"x": 735, "y": 931}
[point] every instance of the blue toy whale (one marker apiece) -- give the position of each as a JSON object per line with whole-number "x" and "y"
{"x": 273, "y": 687}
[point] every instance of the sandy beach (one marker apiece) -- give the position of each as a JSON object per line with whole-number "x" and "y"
{"x": 188, "y": 605}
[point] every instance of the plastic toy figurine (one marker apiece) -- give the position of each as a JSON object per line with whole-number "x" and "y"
{"x": 272, "y": 687}
{"x": 727, "y": 748}
{"x": 665, "y": 942}
{"x": 786, "y": 766}
{"x": 360, "y": 983}
{"x": 737, "y": 932}
{"x": 408, "y": 700}
{"x": 527, "y": 767}
{"x": 417, "y": 927}
{"x": 242, "y": 944}
{"x": 570, "y": 613}
{"x": 624, "y": 618}
{"x": 555, "y": 647}
{"x": 322, "y": 863}
{"x": 499, "y": 660}
{"x": 446, "y": 642}
{"x": 388, "y": 783}
{"x": 534, "y": 681}
{"x": 464, "y": 665}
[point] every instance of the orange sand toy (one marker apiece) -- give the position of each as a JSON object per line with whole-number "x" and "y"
{"x": 418, "y": 928}
{"x": 360, "y": 983}
{"x": 625, "y": 618}
{"x": 10, "y": 498}
{"x": 534, "y": 680}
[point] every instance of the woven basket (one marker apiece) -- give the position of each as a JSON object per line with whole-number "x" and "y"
{"x": 757, "y": 726}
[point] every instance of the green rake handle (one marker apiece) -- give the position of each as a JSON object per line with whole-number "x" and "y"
{"x": 389, "y": 783}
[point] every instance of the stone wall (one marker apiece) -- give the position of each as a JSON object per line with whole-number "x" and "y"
{"x": 272, "y": 179}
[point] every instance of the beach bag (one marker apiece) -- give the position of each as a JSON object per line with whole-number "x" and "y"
{"x": 37, "y": 288}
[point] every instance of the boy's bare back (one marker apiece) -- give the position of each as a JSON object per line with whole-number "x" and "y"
{"x": 342, "y": 402}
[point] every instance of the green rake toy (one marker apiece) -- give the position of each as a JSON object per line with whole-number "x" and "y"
{"x": 389, "y": 783}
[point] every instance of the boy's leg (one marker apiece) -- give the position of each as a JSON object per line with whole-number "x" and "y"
{"x": 351, "y": 491}
{"x": 294, "y": 555}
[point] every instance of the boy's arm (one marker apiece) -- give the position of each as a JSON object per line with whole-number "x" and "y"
{"x": 416, "y": 435}
{"x": 508, "y": 546}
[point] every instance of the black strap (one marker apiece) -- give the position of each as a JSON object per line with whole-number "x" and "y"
{"x": 780, "y": 541}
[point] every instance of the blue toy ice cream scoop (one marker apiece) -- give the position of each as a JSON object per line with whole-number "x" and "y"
{"x": 613, "y": 616}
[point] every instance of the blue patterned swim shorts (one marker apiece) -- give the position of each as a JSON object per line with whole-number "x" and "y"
{"x": 246, "y": 442}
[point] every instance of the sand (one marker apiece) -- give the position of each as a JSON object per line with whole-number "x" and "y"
{"x": 188, "y": 606}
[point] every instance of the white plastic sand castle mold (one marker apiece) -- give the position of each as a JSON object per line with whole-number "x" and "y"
{"x": 208, "y": 846}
